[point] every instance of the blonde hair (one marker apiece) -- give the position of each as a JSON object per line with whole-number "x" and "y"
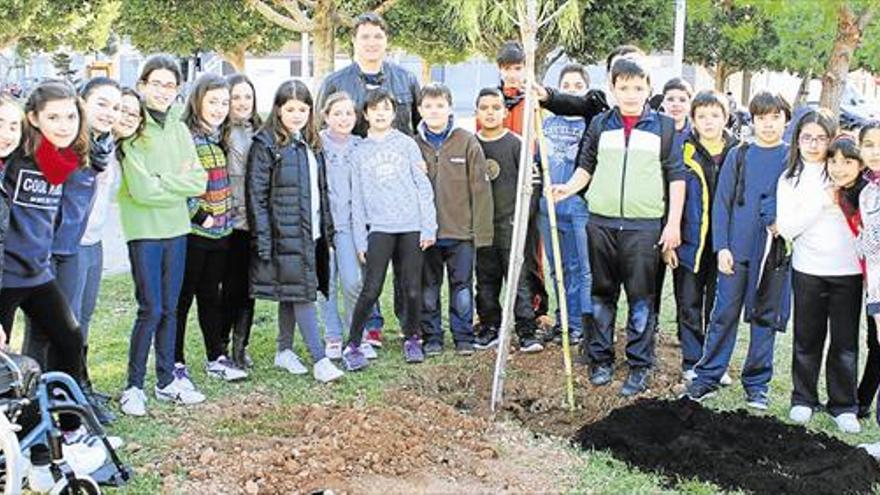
{"x": 334, "y": 99}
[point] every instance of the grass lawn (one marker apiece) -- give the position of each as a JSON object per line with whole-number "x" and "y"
{"x": 149, "y": 439}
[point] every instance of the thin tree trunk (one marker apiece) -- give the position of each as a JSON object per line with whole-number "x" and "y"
{"x": 849, "y": 33}
{"x": 720, "y": 76}
{"x": 746, "y": 90}
{"x": 426, "y": 72}
{"x": 804, "y": 89}
{"x": 235, "y": 58}
{"x": 324, "y": 36}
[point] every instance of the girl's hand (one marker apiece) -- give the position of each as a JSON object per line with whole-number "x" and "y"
{"x": 426, "y": 243}
{"x": 670, "y": 238}
{"x": 209, "y": 222}
{"x": 774, "y": 230}
{"x": 362, "y": 257}
{"x": 559, "y": 192}
{"x": 725, "y": 262}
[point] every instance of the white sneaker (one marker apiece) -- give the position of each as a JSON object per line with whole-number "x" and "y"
{"x": 689, "y": 375}
{"x": 223, "y": 369}
{"x": 287, "y": 360}
{"x": 82, "y": 435}
{"x": 368, "y": 350}
{"x": 848, "y": 423}
{"x": 333, "y": 348}
{"x": 725, "y": 380}
{"x": 82, "y": 458}
{"x": 325, "y": 371}
{"x": 176, "y": 392}
{"x": 181, "y": 375}
{"x": 133, "y": 402}
{"x": 801, "y": 414}
{"x": 873, "y": 449}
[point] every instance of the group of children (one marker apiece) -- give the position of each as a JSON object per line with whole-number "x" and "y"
{"x": 218, "y": 205}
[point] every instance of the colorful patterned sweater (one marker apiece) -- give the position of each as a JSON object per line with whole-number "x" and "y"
{"x": 216, "y": 201}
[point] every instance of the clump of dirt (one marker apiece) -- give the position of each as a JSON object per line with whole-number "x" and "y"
{"x": 735, "y": 450}
{"x": 534, "y": 389}
{"x": 407, "y": 444}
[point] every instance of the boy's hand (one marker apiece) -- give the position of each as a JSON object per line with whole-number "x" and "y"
{"x": 559, "y": 192}
{"x": 209, "y": 222}
{"x": 725, "y": 262}
{"x": 671, "y": 237}
{"x": 540, "y": 91}
{"x": 362, "y": 257}
{"x": 774, "y": 230}
{"x": 670, "y": 258}
{"x": 424, "y": 244}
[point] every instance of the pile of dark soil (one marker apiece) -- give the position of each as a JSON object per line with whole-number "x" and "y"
{"x": 734, "y": 450}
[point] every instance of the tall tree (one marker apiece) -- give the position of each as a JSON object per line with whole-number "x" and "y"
{"x": 853, "y": 19}
{"x": 183, "y": 27}
{"x": 45, "y": 25}
{"x": 320, "y": 18}
{"x": 728, "y": 36}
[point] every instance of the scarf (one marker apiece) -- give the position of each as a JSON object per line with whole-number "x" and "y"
{"x": 56, "y": 165}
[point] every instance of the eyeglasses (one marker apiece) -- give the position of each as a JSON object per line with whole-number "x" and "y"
{"x": 806, "y": 139}
{"x": 164, "y": 87}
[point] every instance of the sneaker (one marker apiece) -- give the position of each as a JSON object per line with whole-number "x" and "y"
{"x": 354, "y": 358}
{"x": 873, "y": 449}
{"x": 758, "y": 400}
{"x": 368, "y": 351}
{"x": 554, "y": 334}
{"x": 530, "y": 344}
{"x": 82, "y": 458}
{"x": 133, "y": 402}
{"x": 698, "y": 393}
{"x": 175, "y": 392}
{"x": 333, "y": 348}
{"x": 223, "y": 369}
{"x": 325, "y": 371}
{"x": 601, "y": 374}
{"x": 374, "y": 337}
{"x": 847, "y": 423}
{"x": 82, "y": 435}
{"x": 464, "y": 348}
{"x": 433, "y": 349}
{"x": 725, "y": 380}
{"x": 574, "y": 337}
{"x": 289, "y": 361}
{"x": 636, "y": 382}
{"x": 412, "y": 350}
{"x": 801, "y": 414}
{"x": 181, "y": 375}
{"x": 864, "y": 411}
{"x": 486, "y": 338}
{"x": 102, "y": 413}
{"x": 689, "y": 375}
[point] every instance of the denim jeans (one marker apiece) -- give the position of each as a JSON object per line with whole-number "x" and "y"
{"x": 457, "y": 257}
{"x": 157, "y": 267}
{"x": 578, "y": 278}
{"x": 90, "y": 263}
{"x": 346, "y": 273}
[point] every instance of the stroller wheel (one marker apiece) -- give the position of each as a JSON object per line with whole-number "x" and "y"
{"x": 85, "y": 486}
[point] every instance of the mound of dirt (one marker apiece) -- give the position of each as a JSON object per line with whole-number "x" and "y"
{"x": 407, "y": 444}
{"x": 534, "y": 390}
{"x": 734, "y": 450}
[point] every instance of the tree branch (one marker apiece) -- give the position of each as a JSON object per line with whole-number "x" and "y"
{"x": 274, "y": 17}
{"x": 292, "y": 7}
{"x": 384, "y": 6}
{"x": 549, "y": 18}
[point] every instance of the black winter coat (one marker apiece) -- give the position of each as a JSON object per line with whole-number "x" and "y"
{"x": 287, "y": 265}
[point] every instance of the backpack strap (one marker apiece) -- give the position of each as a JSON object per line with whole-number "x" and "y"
{"x": 739, "y": 181}
{"x": 667, "y": 137}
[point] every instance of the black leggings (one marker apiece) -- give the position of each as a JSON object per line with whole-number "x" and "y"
{"x": 381, "y": 249}
{"x": 204, "y": 272}
{"x": 234, "y": 292}
{"x": 871, "y": 375}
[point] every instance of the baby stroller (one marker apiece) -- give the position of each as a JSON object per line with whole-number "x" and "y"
{"x": 23, "y": 391}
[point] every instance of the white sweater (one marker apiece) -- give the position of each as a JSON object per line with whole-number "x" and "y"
{"x": 806, "y": 215}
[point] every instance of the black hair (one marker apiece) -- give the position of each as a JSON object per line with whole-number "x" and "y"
{"x": 628, "y": 69}
{"x": 708, "y": 98}
{"x": 292, "y": 89}
{"x": 490, "y": 91}
{"x": 435, "y": 90}
{"x": 578, "y": 69}
{"x": 376, "y": 96}
{"x": 369, "y": 18}
{"x": 847, "y": 146}
{"x": 766, "y": 102}
{"x": 679, "y": 84}
{"x": 510, "y": 53}
{"x": 96, "y": 82}
{"x": 239, "y": 78}
{"x": 159, "y": 62}
{"x": 142, "y": 110}
{"x": 621, "y": 51}
{"x": 870, "y": 126}
{"x": 821, "y": 117}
